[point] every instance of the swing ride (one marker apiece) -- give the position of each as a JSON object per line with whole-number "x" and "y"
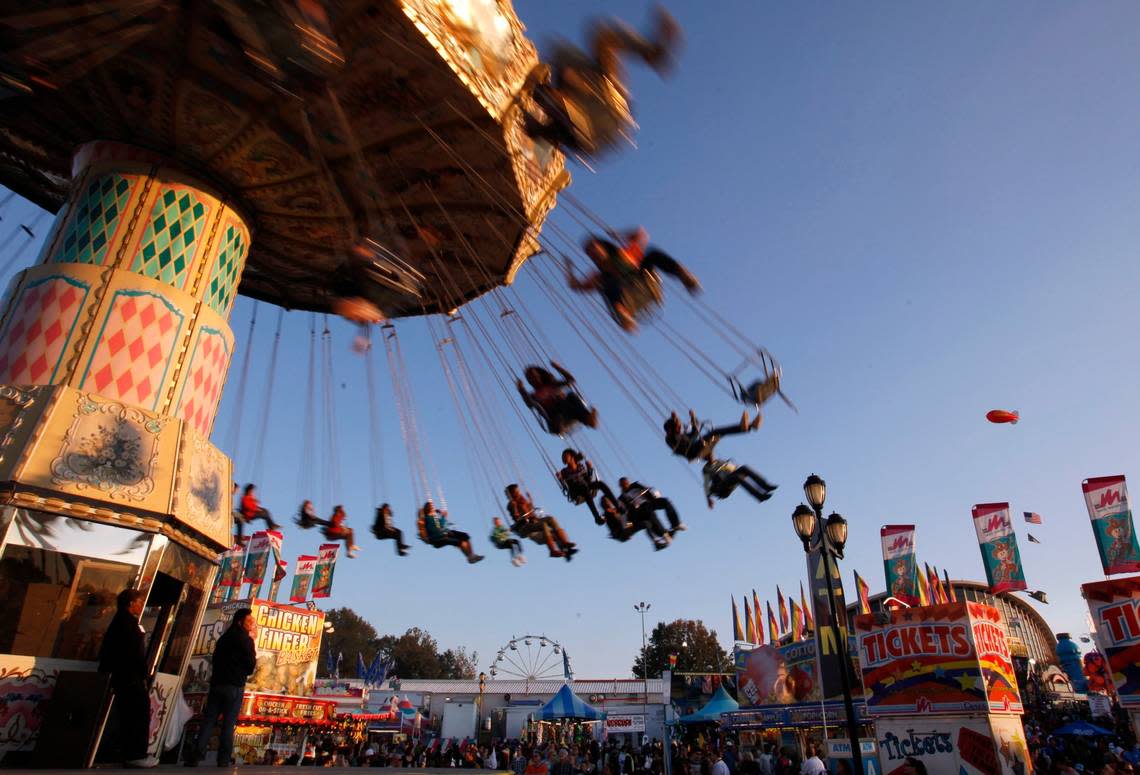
{"x": 396, "y": 159}
{"x": 372, "y": 145}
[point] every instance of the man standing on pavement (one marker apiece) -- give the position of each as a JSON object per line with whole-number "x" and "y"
{"x": 234, "y": 659}
{"x": 718, "y": 767}
{"x": 123, "y": 655}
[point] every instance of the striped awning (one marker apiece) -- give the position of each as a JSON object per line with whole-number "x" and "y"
{"x": 566, "y": 704}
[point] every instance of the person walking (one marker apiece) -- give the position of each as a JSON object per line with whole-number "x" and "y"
{"x": 719, "y": 767}
{"x": 123, "y": 655}
{"x": 235, "y": 657}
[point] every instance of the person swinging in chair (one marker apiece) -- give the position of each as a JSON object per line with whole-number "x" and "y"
{"x": 696, "y": 440}
{"x": 307, "y": 517}
{"x": 531, "y": 522}
{"x": 627, "y": 276}
{"x": 383, "y": 529}
{"x": 622, "y": 527}
{"x": 437, "y": 531}
{"x": 501, "y": 538}
{"x": 555, "y": 400}
{"x": 584, "y": 95}
{"x": 580, "y": 482}
{"x": 252, "y": 509}
{"x": 338, "y": 531}
{"x": 722, "y": 477}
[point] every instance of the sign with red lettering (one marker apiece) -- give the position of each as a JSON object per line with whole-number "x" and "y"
{"x": 936, "y": 659}
{"x": 1115, "y": 610}
{"x": 294, "y": 710}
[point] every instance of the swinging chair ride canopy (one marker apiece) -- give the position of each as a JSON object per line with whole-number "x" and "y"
{"x": 388, "y": 129}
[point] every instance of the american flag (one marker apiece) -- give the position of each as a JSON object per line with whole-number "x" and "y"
{"x": 1032, "y": 517}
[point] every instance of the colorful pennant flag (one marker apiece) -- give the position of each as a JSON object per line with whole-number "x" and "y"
{"x": 737, "y": 630}
{"x": 797, "y": 622}
{"x": 949, "y": 587}
{"x": 1032, "y": 539}
{"x": 756, "y": 617}
{"x": 783, "y": 606}
{"x": 749, "y": 625}
{"x": 923, "y": 593}
{"x": 1032, "y": 517}
{"x": 809, "y": 620}
{"x": 773, "y": 629}
{"x": 864, "y": 593}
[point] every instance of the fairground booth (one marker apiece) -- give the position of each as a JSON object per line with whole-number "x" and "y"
{"x": 940, "y": 687}
{"x": 565, "y": 719}
{"x": 786, "y": 702}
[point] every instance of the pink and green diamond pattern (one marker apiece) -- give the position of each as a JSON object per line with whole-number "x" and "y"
{"x": 168, "y": 244}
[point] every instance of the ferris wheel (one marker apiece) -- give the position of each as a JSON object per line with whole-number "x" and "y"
{"x": 532, "y": 658}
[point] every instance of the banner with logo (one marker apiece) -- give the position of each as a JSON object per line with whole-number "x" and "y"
{"x": 941, "y": 659}
{"x": 616, "y": 723}
{"x": 998, "y": 543}
{"x": 256, "y": 558}
{"x": 288, "y": 642}
{"x": 1113, "y": 606}
{"x": 898, "y": 562}
{"x": 1111, "y": 515}
{"x": 323, "y": 570}
{"x": 230, "y": 570}
{"x": 829, "y": 630}
{"x": 778, "y": 675}
{"x": 302, "y": 578}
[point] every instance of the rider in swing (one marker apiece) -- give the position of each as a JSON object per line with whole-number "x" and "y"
{"x": 560, "y": 406}
{"x": 620, "y": 268}
{"x": 437, "y": 531}
{"x": 383, "y": 529}
{"x": 622, "y": 529}
{"x": 584, "y": 95}
{"x": 694, "y": 441}
{"x": 580, "y": 482}
{"x": 532, "y": 522}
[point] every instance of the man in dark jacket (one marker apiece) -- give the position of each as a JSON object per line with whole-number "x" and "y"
{"x": 234, "y": 659}
{"x": 123, "y": 655}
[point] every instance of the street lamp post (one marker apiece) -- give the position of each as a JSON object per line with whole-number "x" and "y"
{"x": 829, "y": 538}
{"x": 642, "y": 608}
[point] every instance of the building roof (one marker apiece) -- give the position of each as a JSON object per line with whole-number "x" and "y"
{"x": 583, "y": 687}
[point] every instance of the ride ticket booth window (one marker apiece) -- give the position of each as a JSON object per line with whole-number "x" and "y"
{"x": 59, "y": 578}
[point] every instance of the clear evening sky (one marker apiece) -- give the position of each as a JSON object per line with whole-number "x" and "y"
{"x": 926, "y": 211}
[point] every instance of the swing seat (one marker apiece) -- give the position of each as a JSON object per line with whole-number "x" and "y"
{"x": 595, "y": 116}
{"x": 642, "y": 295}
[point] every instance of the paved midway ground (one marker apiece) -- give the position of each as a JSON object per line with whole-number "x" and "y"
{"x": 255, "y": 770}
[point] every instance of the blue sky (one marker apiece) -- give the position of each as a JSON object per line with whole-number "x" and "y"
{"x": 926, "y": 211}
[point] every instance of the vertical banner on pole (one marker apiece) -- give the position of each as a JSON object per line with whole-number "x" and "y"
{"x": 323, "y": 571}
{"x": 998, "y": 543}
{"x": 1111, "y": 515}
{"x": 829, "y": 630}
{"x": 229, "y": 573}
{"x": 256, "y": 561}
{"x": 899, "y": 563}
{"x": 302, "y": 578}
{"x": 279, "y": 567}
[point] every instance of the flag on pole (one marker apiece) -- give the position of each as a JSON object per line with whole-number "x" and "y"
{"x": 797, "y": 622}
{"x": 737, "y": 630}
{"x": 809, "y": 620}
{"x": 1032, "y": 517}
{"x": 361, "y": 669}
{"x": 783, "y": 606}
{"x": 773, "y": 630}
{"x": 931, "y": 589}
{"x": 935, "y": 579}
{"x": 749, "y": 625}
{"x": 863, "y": 592}
{"x": 756, "y": 617}
{"x": 949, "y": 587}
{"x": 1032, "y": 540}
{"x": 923, "y": 588}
